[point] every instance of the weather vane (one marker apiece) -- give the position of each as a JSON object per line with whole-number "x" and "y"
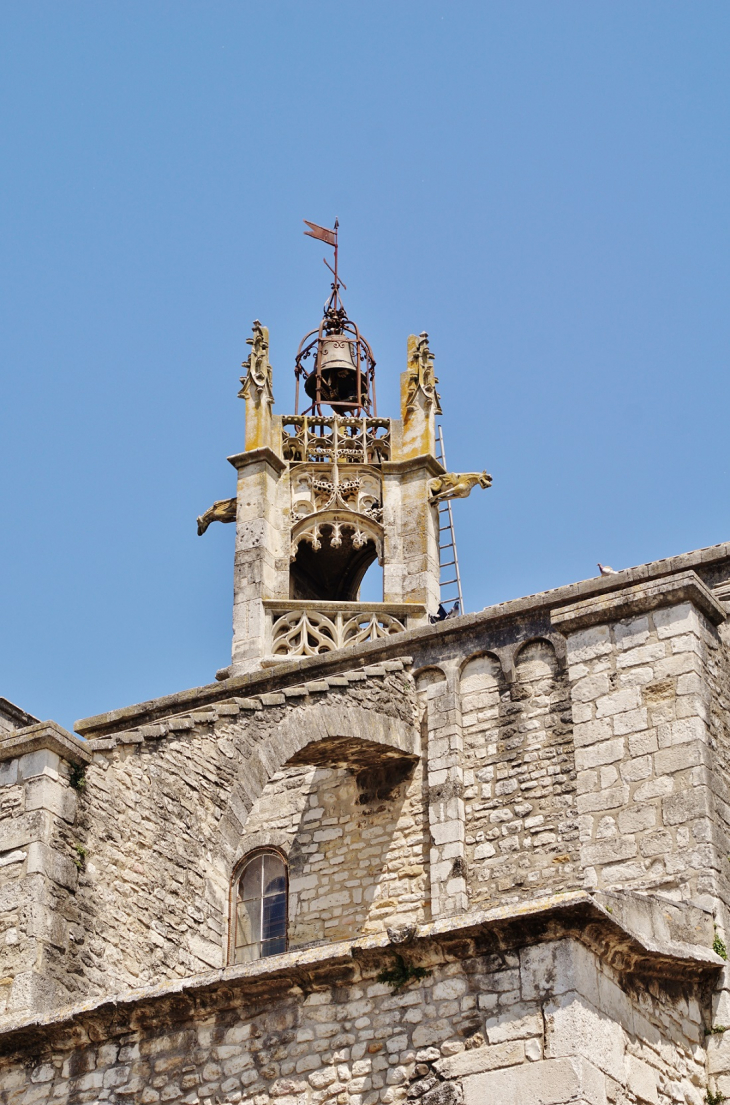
{"x": 342, "y": 376}
{"x": 330, "y": 237}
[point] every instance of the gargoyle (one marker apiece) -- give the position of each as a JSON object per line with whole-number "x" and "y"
{"x": 456, "y": 485}
{"x": 223, "y": 510}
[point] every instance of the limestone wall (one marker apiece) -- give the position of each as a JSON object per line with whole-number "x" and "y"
{"x": 537, "y": 1022}
{"x": 643, "y": 754}
{"x": 164, "y": 820}
{"x": 355, "y": 844}
{"x": 521, "y": 828}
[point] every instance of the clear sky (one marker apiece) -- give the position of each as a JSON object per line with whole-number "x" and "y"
{"x": 543, "y": 187}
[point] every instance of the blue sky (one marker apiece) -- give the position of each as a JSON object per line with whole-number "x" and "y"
{"x": 541, "y": 186}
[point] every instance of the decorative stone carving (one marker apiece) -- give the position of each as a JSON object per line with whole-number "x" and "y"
{"x": 222, "y": 510}
{"x": 312, "y": 633}
{"x": 258, "y": 378}
{"x": 456, "y": 485}
{"x": 421, "y": 376}
{"x": 312, "y": 492}
{"x": 314, "y": 439}
{"x": 311, "y": 530}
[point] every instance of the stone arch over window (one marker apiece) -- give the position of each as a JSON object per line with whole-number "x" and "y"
{"x": 259, "y": 906}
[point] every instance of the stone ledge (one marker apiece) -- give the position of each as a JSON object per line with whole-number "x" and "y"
{"x": 253, "y": 456}
{"x": 639, "y": 599}
{"x": 413, "y": 464}
{"x": 46, "y": 734}
{"x": 577, "y": 915}
{"x": 209, "y": 715}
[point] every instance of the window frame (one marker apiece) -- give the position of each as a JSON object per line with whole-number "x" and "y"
{"x": 238, "y": 870}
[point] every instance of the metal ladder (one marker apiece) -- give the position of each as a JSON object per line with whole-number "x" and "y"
{"x": 448, "y": 558}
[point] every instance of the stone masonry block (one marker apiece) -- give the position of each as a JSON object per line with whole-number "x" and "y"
{"x": 629, "y": 634}
{"x": 589, "y": 732}
{"x": 610, "y": 851}
{"x": 8, "y": 773}
{"x": 45, "y": 860}
{"x": 591, "y": 688}
{"x": 645, "y": 654}
{"x": 607, "y": 752}
{"x": 587, "y": 644}
{"x": 691, "y": 804}
{"x": 548, "y": 1081}
{"x": 676, "y": 619}
{"x": 24, "y": 828}
{"x": 573, "y": 1026}
{"x": 41, "y": 762}
{"x": 44, "y": 793}
{"x": 610, "y": 799}
{"x": 637, "y": 818}
{"x": 629, "y": 698}
{"x": 641, "y": 1080}
{"x": 684, "y": 731}
{"x": 633, "y": 721}
{"x": 481, "y": 1059}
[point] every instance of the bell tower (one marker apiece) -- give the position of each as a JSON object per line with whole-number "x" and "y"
{"x": 324, "y": 492}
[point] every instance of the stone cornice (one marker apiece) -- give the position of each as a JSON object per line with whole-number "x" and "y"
{"x": 639, "y": 599}
{"x": 46, "y": 734}
{"x": 289, "y": 672}
{"x": 256, "y": 456}
{"x": 19, "y": 718}
{"x": 413, "y": 464}
{"x": 577, "y": 915}
{"x": 186, "y": 720}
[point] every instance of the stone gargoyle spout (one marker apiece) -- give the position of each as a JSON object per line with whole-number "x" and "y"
{"x": 222, "y": 510}
{"x": 456, "y": 485}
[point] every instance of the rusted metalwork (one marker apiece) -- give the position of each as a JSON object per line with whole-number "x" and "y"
{"x": 343, "y": 374}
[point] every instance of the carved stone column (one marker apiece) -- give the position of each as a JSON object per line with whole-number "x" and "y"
{"x": 261, "y": 565}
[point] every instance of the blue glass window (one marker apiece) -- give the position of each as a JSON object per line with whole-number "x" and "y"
{"x": 261, "y": 908}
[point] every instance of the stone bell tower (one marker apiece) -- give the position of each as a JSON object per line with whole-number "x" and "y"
{"x": 323, "y": 493}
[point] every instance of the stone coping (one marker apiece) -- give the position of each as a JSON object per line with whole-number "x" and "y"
{"x": 639, "y": 599}
{"x": 254, "y": 456}
{"x": 576, "y": 914}
{"x": 45, "y": 734}
{"x": 413, "y": 464}
{"x": 11, "y": 712}
{"x": 291, "y": 671}
{"x": 395, "y": 608}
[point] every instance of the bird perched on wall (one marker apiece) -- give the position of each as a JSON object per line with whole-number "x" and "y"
{"x": 605, "y": 570}
{"x": 442, "y": 615}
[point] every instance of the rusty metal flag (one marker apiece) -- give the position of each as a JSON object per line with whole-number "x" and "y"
{"x": 321, "y": 232}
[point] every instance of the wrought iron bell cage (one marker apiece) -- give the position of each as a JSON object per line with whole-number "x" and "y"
{"x": 343, "y": 374}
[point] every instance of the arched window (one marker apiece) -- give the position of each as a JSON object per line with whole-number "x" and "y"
{"x": 261, "y": 907}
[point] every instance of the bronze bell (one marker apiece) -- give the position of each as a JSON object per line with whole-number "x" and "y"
{"x": 336, "y": 370}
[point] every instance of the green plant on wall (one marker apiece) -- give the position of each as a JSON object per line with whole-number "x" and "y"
{"x": 401, "y": 974}
{"x": 80, "y": 857}
{"x": 77, "y": 777}
{"x": 718, "y": 946}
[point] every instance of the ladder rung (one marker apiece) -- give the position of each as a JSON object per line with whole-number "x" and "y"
{"x": 448, "y": 582}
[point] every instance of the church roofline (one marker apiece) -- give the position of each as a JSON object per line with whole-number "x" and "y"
{"x": 534, "y": 606}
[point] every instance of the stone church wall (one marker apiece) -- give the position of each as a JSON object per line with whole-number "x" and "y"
{"x": 521, "y": 829}
{"x": 643, "y": 753}
{"x": 356, "y": 849}
{"x": 163, "y": 819}
{"x": 546, "y": 1021}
